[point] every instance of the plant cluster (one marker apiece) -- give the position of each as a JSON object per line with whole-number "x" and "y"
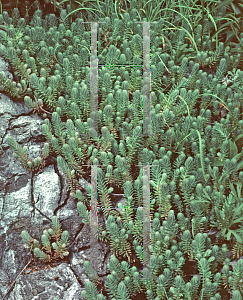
{"x": 195, "y": 154}
{"x": 59, "y": 246}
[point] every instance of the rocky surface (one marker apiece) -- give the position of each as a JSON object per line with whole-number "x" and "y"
{"x": 28, "y": 202}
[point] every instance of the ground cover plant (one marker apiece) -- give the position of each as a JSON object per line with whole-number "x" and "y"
{"x": 195, "y": 150}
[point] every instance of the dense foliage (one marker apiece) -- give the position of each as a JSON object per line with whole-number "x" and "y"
{"x": 195, "y": 150}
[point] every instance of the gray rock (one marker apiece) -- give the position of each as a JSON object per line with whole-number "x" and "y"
{"x": 28, "y": 202}
{"x": 47, "y": 284}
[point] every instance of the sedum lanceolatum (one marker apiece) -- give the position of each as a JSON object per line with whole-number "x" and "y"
{"x": 59, "y": 246}
{"x": 195, "y": 154}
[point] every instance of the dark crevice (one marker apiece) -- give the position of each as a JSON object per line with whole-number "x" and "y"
{"x": 7, "y": 128}
{"x": 76, "y": 235}
{"x": 39, "y": 139}
{"x": 84, "y": 248}
{"x": 32, "y": 195}
{"x": 78, "y": 279}
{"x": 43, "y": 214}
{"x": 61, "y": 205}
{"x": 21, "y": 115}
{"x": 106, "y": 274}
{"x": 106, "y": 255}
{"x": 4, "y": 198}
{"x": 10, "y": 179}
{"x": 33, "y": 201}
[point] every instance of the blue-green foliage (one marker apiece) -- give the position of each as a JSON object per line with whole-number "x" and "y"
{"x": 195, "y": 164}
{"x": 60, "y": 246}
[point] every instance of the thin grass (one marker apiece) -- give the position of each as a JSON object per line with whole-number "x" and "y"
{"x": 153, "y": 12}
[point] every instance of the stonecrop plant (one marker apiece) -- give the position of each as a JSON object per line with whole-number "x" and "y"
{"x": 194, "y": 153}
{"x": 59, "y": 247}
